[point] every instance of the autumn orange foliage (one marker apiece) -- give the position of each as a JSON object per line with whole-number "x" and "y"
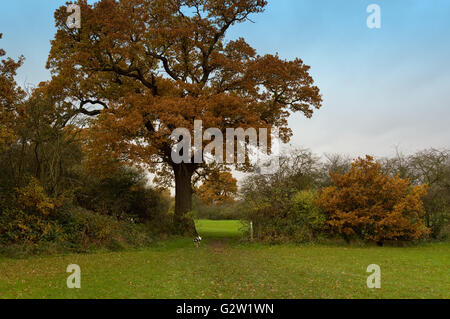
{"x": 219, "y": 188}
{"x": 149, "y": 67}
{"x": 366, "y": 204}
{"x": 10, "y": 95}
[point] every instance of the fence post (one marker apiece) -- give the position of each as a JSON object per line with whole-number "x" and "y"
{"x": 251, "y": 231}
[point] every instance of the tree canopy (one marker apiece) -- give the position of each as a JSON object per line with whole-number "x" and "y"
{"x": 10, "y": 96}
{"x": 144, "y": 68}
{"x": 219, "y": 188}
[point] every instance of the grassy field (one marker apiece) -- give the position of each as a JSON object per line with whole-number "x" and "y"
{"x": 224, "y": 268}
{"x": 220, "y": 229}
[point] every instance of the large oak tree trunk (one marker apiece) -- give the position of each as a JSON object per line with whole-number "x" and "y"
{"x": 184, "y": 225}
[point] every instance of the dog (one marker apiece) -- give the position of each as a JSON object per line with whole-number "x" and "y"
{"x": 197, "y": 241}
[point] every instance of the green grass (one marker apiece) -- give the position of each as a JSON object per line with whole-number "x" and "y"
{"x": 220, "y": 228}
{"x": 176, "y": 269}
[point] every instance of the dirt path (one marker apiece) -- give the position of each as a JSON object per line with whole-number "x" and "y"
{"x": 218, "y": 245}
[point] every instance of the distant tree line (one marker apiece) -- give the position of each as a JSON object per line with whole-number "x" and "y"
{"x": 399, "y": 199}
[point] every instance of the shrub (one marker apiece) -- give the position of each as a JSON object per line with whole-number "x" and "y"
{"x": 17, "y": 226}
{"x": 306, "y": 217}
{"x": 31, "y": 218}
{"x": 431, "y": 167}
{"x": 36, "y": 223}
{"x": 123, "y": 194}
{"x": 33, "y": 199}
{"x": 281, "y": 219}
{"x": 369, "y": 205}
{"x": 73, "y": 230}
{"x": 84, "y": 230}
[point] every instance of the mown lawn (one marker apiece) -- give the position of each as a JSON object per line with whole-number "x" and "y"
{"x": 227, "y": 269}
{"x": 220, "y": 229}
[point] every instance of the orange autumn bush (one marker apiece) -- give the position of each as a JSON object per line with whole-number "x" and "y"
{"x": 366, "y": 204}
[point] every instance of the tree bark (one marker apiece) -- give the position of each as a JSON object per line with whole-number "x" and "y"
{"x": 184, "y": 225}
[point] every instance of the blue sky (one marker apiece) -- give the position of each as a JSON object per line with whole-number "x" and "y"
{"x": 382, "y": 88}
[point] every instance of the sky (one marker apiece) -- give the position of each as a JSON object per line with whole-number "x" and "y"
{"x": 383, "y": 88}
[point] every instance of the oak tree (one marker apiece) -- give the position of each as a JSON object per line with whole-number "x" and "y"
{"x": 143, "y": 68}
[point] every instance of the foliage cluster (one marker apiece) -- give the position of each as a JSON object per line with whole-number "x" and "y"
{"x": 49, "y": 199}
{"x": 398, "y": 199}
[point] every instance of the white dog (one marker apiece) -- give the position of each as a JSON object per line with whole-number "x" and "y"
{"x": 197, "y": 241}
